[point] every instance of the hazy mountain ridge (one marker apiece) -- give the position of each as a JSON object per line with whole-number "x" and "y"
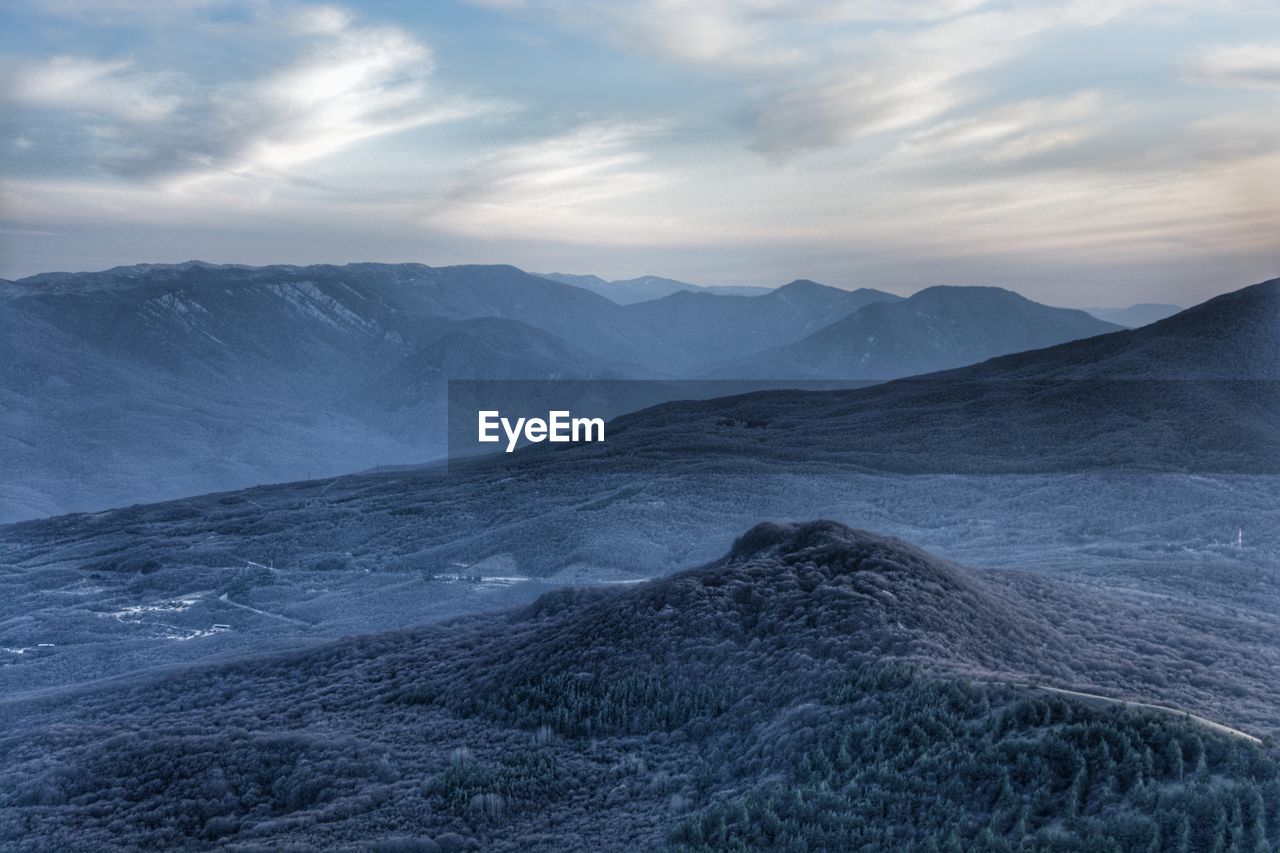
{"x": 271, "y": 373}
{"x": 167, "y": 380}
{"x": 1196, "y": 391}
{"x": 905, "y": 425}
{"x": 1146, "y": 485}
{"x": 186, "y": 378}
{"x": 716, "y": 327}
{"x": 935, "y": 328}
{"x": 759, "y": 700}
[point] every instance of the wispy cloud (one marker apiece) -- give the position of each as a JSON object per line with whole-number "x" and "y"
{"x": 708, "y": 32}
{"x": 1010, "y": 132}
{"x": 119, "y": 12}
{"x": 102, "y": 88}
{"x": 1243, "y": 66}
{"x": 595, "y": 182}
{"x": 338, "y": 82}
{"x": 735, "y": 34}
{"x": 818, "y": 74}
{"x": 354, "y": 83}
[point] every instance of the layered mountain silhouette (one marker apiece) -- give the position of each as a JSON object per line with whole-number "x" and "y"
{"x": 936, "y": 328}
{"x": 1162, "y": 436}
{"x": 817, "y": 687}
{"x": 646, "y": 287}
{"x": 1196, "y": 392}
{"x": 714, "y": 327}
{"x": 1193, "y": 394}
{"x": 158, "y": 380}
{"x": 165, "y": 380}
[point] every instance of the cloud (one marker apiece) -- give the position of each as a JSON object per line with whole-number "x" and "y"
{"x": 120, "y": 12}
{"x": 338, "y": 83}
{"x": 728, "y": 33}
{"x": 894, "y": 80}
{"x": 594, "y": 183}
{"x": 112, "y": 88}
{"x": 1239, "y": 66}
{"x": 357, "y": 83}
{"x": 1011, "y": 132}
{"x": 706, "y": 32}
{"x": 816, "y": 74}
{"x": 1029, "y": 145}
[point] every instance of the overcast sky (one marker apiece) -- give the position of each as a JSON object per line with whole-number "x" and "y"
{"x": 1083, "y": 152}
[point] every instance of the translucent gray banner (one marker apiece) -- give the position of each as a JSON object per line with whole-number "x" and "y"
{"x": 926, "y": 426}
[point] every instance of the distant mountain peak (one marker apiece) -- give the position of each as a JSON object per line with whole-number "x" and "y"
{"x": 968, "y": 291}
{"x": 802, "y": 284}
{"x": 936, "y": 328}
{"x": 571, "y": 278}
{"x": 645, "y": 288}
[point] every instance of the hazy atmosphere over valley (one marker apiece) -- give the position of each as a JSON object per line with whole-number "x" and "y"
{"x": 686, "y": 426}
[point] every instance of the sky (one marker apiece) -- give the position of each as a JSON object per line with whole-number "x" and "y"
{"x": 1082, "y": 152}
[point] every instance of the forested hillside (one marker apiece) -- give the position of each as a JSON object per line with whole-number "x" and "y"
{"x": 817, "y": 688}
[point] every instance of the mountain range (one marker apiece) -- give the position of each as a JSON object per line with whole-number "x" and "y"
{"x": 648, "y": 287}
{"x": 184, "y": 675}
{"x": 165, "y": 380}
{"x": 1143, "y": 459}
{"x": 936, "y": 328}
{"x": 1192, "y": 394}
